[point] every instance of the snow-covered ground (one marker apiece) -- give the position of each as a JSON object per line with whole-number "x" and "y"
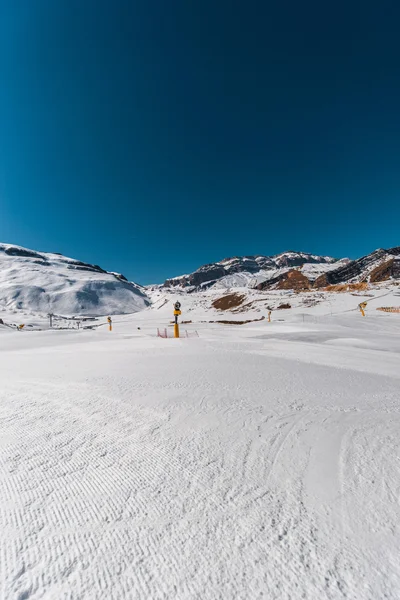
{"x": 256, "y": 461}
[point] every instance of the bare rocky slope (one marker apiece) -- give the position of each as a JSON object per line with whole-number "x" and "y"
{"x": 377, "y": 266}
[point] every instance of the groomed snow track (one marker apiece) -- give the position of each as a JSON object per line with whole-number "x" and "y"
{"x": 219, "y": 467}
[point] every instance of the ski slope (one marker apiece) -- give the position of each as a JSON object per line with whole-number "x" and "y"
{"x": 256, "y": 461}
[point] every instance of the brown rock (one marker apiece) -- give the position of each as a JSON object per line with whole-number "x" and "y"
{"x": 293, "y": 280}
{"x": 229, "y": 301}
{"x": 382, "y": 272}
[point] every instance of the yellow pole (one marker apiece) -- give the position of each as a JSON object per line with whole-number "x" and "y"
{"x": 177, "y": 312}
{"x": 269, "y": 316}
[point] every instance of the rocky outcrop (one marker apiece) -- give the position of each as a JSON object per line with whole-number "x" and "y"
{"x": 382, "y": 272}
{"x": 294, "y": 280}
{"x": 288, "y": 280}
{"x": 292, "y": 259}
{"x": 396, "y": 268}
{"x": 374, "y": 267}
{"x": 321, "y": 281}
{"x": 208, "y": 273}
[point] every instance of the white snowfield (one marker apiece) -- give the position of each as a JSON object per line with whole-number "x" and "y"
{"x": 42, "y": 282}
{"x": 256, "y": 461}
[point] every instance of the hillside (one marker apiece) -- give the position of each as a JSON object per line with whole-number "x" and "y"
{"x": 41, "y": 282}
{"x": 250, "y": 270}
{"x": 380, "y": 265}
{"x": 290, "y": 270}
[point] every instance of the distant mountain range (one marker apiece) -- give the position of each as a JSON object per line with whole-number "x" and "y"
{"x": 208, "y": 275}
{"x": 290, "y": 270}
{"x": 41, "y": 282}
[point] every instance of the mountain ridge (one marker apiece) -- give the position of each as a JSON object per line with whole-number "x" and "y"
{"x": 44, "y": 282}
{"x": 264, "y": 272}
{"x": 208, "y": 274}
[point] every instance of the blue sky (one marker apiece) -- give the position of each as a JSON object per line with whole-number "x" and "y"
{"x": 153, "y": 137}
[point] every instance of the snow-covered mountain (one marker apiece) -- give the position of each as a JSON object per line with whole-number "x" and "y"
{"x": 380, "y": 265}
{"x": 42, "y": 282}
{"x": 290, "y": 270}
{"x": 249, "y": 271}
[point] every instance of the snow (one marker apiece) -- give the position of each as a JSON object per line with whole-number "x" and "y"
{"x": 312, "y": 271}
{"x": 40, "y": 282}
{"x": 256, "y": 461}
{"x": 281, "y": 258}
{"x": 246, "y": 279}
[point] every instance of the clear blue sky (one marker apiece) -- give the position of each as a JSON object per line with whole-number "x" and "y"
{"x": 153, "y": 137}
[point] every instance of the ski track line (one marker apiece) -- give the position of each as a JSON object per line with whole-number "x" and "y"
{"x": 101, "y": 526}
{"x": 95, "y": 507}
{"x": 58, "y": 516}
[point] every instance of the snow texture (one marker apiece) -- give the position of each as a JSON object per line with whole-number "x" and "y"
{"x": 257, "y": 461}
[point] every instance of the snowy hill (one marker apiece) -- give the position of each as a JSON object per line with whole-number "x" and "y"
{"x": 42, "y": 282}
